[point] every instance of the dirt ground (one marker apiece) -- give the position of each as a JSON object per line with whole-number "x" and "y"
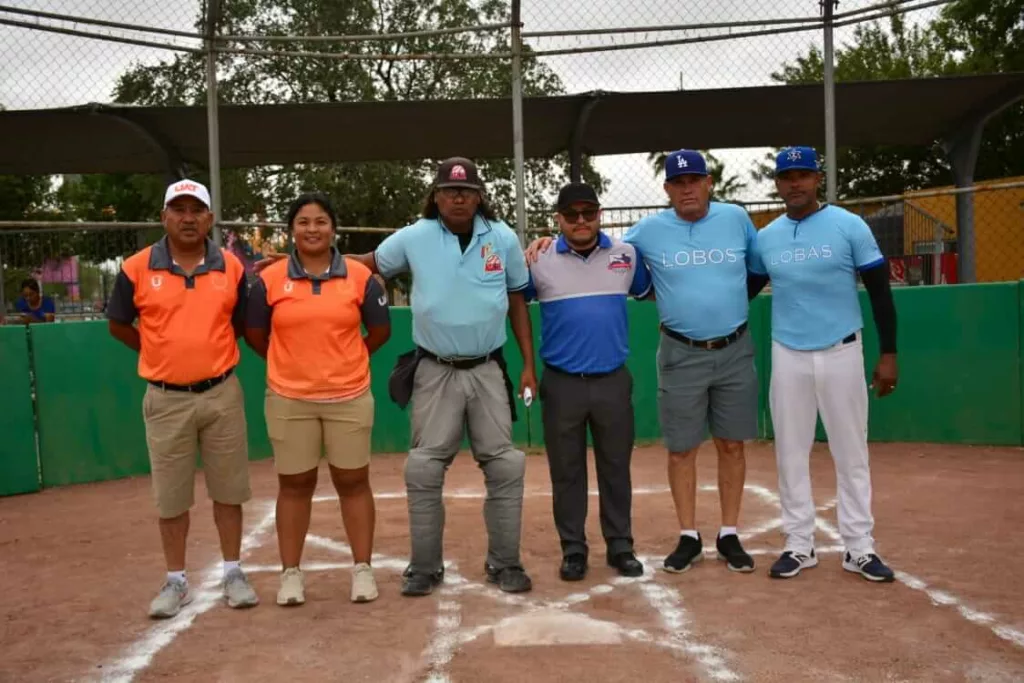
{"x": 80, "y": 565}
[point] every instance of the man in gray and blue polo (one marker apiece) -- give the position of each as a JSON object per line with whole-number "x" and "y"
{"x": 698, "y": 252}
{"x": 582, "y": 285}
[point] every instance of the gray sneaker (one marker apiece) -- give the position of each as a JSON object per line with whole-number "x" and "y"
{"x": 173, "y": 596}
{"x": 238, "y": 591}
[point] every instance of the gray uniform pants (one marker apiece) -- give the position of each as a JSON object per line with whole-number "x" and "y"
{"x": 445, "y": 402}
{"x": 570, "y": 404}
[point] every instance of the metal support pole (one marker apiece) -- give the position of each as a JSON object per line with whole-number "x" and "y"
{"x": 831, "y": 160}
{"x": 212, "y": 118}
{"x": 517, "y": 120}
{"x": 963, "y": 157}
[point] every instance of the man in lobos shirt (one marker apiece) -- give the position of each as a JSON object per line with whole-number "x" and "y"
{"x": 189, "y": 297}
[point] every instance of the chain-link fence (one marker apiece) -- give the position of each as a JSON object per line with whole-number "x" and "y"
{"x": 71, "y": 52}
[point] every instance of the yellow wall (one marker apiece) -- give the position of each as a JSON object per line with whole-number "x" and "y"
{"x": 998, "y": 228}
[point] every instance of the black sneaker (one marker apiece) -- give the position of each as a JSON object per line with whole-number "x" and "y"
{"x": 420, "y": 583}
{"x": 689, "y": 551}
{"x": 736, "y": 558}
{"x": 870, "y": 566}
{"x": 790, "y": 563}
{"x": 626, "y": 564}
{"x": 574, "y": 567}
{"x": 509, "y": 579}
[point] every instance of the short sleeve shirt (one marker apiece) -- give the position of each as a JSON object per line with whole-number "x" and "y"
{"x": 699, "y": 269}
{"x": 317, "y": 351}
{"x": 813, "y": 265}
{"x": 459, "y": 297}
{"x": 187, "y": 323}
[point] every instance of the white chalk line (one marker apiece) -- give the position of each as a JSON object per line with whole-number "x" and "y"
{"x": 140, "y": 654}
{"x": 941, "y": 598}
{"x": 675, "y": 620}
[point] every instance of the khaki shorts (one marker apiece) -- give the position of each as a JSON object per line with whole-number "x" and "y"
{"x": 180, "y": 423}
{"x": 300, "y": 431}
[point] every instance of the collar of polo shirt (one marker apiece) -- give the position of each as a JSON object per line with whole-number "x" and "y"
{"x": 337, "y": 269}
{"x": 160, "y": 258}
{"x": 480, "y": 225}
{"x": 562, "y": 245}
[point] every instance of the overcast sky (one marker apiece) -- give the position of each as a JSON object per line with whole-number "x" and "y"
{"x": 46, "y": 70}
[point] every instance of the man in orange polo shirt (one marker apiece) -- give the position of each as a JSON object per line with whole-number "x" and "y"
{"x": 189, "y": 298}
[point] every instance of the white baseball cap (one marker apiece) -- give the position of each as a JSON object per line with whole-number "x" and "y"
{"x": 191, "y": 188}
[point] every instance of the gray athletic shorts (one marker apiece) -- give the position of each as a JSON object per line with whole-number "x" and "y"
{"x": 700, "y": 389}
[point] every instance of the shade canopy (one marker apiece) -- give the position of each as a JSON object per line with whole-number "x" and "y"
{"x": 123, "y": 138}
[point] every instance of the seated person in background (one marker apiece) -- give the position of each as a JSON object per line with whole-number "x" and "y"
{"x": 33, "y": 306}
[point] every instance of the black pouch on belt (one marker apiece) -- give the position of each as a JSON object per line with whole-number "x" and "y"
{"x": 402, "y": 376}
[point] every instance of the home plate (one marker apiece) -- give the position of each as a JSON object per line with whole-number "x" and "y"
{"x": 555, "y": 627}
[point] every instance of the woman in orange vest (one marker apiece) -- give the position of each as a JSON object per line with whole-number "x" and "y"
{"x": 304, "y": 317}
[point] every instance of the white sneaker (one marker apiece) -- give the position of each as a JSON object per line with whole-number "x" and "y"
{"x": 292, "y": 590}
{"x": 364, "y": 587}
{"x": 172, "y": 597}
{"x": 238, "y": 591}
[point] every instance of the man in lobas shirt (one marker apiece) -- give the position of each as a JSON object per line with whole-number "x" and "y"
{"x": 582, "y": 285}
{"x": 813, "y": 255}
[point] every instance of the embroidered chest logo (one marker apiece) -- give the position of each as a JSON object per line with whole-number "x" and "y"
{"x": 620, "y": 262}
{"x": 156, "y": 281}
{"x": 219, "y": 281}
{"x": 493, "y": 264}
{"x": 288, "y": 286}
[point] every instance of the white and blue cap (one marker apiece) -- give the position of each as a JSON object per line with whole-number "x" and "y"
{"x": 685, "y": 162}
{"x": 796, "y": 158}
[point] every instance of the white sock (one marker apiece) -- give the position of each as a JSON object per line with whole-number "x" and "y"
{"x": 178, "y": 577}
{"x": 229, "y": 565}
{"x": 692, "y": 533}
{"x": 727, "y": 531}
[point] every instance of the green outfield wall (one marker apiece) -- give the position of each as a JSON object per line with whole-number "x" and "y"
{"x": 961, "y": 376}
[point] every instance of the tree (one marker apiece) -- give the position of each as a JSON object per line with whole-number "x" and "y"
{"x": 969, "y": 36}
{"x": 724, "y": 188}
{"x": 386, "y": 194}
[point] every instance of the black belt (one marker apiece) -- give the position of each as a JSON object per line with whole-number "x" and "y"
{"x": 497, "y": 355}
{"x": 196, "y": 388}
{"x": 710, "y": 344}
{"x": 460, "y": 363}
{"x": 583, "y": 375}
{"x": 849, "y": 339}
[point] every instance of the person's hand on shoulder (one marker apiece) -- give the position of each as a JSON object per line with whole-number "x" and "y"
{"x": 270, "y": 256}
{"x": 537, "y": 247}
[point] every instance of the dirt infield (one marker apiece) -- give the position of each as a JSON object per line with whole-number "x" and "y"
{"x": 80, "y": 564}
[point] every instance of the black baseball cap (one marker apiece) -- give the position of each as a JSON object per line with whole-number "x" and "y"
{"x": 576, "y": 192}
{"x": 458, "y": 172}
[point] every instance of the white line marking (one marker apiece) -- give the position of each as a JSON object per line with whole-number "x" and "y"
{"x": 667, "y": 602}
{"x": 941, "y": 598}
{"x": 140, "y": 654}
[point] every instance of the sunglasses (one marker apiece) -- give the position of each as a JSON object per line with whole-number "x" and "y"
{"x": 572, "y": 215}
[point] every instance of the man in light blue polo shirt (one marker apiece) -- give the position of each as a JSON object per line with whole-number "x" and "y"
{"x": 698, "y": 252}
{"x": 813, "y": 255}
{"x": 468, "y": 275}
{"x": 582, "y": 285}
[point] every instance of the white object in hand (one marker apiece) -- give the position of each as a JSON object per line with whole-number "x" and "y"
{"x": 527, "y": 397}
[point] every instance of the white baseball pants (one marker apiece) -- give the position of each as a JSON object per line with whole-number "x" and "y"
{"x": 830, "y": 381}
